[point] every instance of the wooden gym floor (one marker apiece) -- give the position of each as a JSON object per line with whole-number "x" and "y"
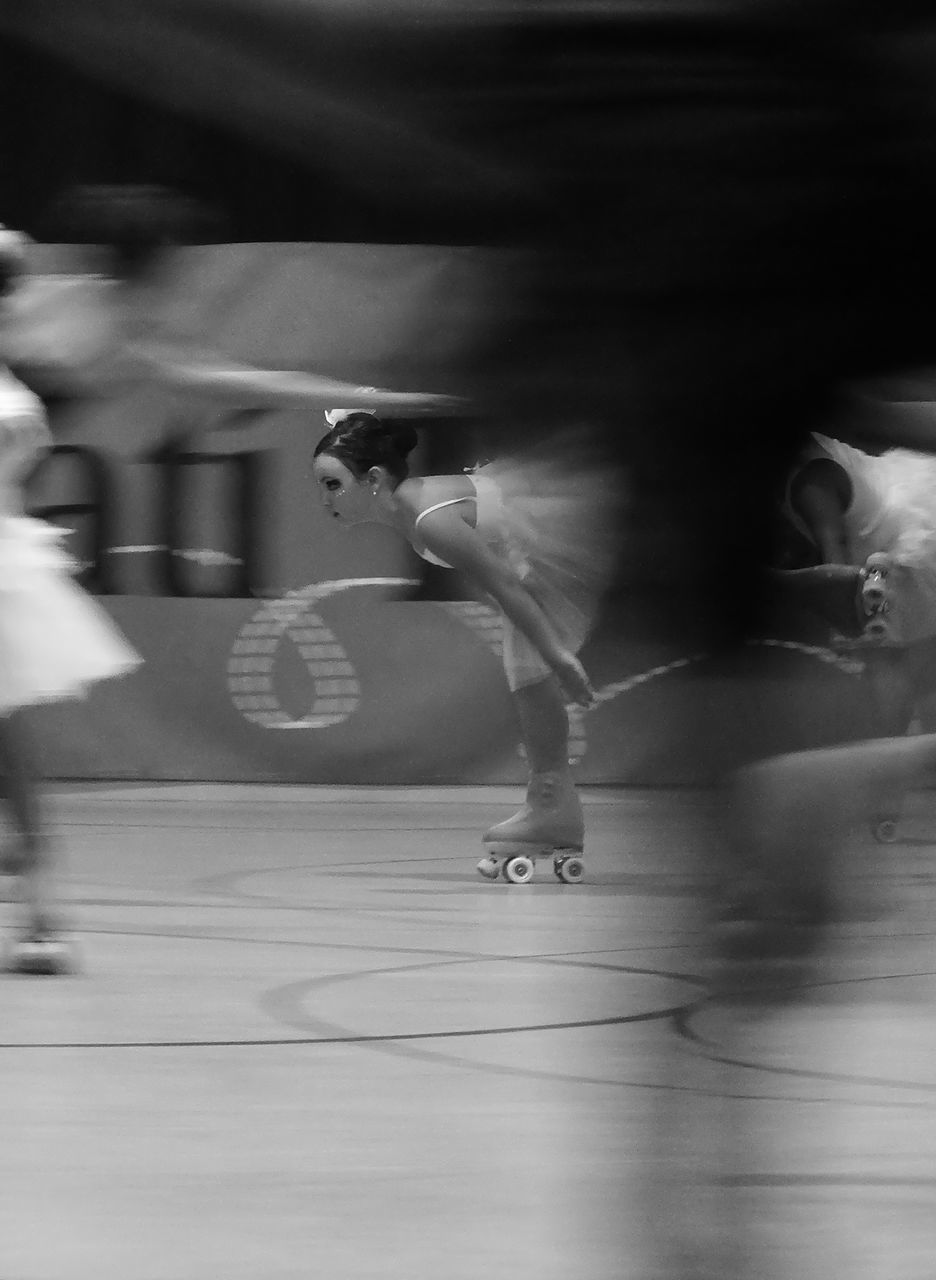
{"x": 307, "y": 1040}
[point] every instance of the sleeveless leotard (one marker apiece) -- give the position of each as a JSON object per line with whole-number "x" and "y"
{"x": 489, "y": 519}
{"x": 437, "y": 506}
{"x": 545, "y": 524}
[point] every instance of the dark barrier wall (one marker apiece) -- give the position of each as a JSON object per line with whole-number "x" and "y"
{"x": 348, "y": 685}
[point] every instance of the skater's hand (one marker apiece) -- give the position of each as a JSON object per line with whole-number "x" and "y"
{"x": 574, "y": 681}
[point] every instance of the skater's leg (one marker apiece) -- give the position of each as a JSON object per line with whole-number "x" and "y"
{"x": 551, "y": 817}
{"x": 544, "y": 725}
{"x": 890, "y": 683}
{"x": 921, "y": 671}
{"x": 32, "y": 858}
{"x": 888, "y": 679}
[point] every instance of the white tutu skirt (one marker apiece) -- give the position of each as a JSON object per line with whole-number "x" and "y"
{"x": 55, "y": 641}
{"x": 557, "y": 523}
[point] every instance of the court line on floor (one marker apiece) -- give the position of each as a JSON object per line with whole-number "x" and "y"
{"x": 454, "y": 955}
{"x": 407, "y": 1044}
{"x": 257, "y": 829}
{"x": 459, "y": 954}
{"x": 640, "y": 948}
{"x": 343, "y": 1036}
{"x": 824, "y": 1180}
{"x": 682, "y": 1023}
{"x": 350, "y": 1038}
{"x": 404, "y": 1045}
{"x": 396, "y": 1046}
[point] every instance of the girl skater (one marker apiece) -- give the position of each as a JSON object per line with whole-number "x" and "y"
{"x": 534, "y": 535}
{"x": 54, "y": 644}
{"x": 876, "y": 514}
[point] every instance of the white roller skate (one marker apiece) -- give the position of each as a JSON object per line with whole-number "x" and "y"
{"x": 41, "y": 950}
{"x": 40, "y": 947}
{"x": 549, "y": 825}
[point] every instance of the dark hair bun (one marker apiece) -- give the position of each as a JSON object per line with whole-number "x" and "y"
{"x": 361, "y": 440}
{"x": 379, "y": 435}
{"x": 404, "y": 437}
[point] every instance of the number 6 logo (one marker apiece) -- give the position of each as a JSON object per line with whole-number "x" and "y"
{"x": 336, "y": 689}
{"x": 250, "y": 668}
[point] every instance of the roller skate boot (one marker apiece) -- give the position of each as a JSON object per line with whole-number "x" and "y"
{"x": 15, "y": 859}
{"x": 549, "y": 825}
{"x": 41, "y": 950}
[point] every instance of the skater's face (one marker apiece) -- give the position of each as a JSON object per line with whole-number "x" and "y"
{"x": 346, "y": 497}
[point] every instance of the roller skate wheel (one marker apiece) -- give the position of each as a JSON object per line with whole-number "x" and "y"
{"x": 489, "y": 866}
{"x": 519, "y": 870}
{"x": 570, "y": 870}
{"x": 40, "y": 956}
{"x": 885, "y": 830}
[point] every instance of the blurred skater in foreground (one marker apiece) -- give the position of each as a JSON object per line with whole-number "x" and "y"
{"x": 55, "y": 643}
{"x": 725, "y": 212}
{"x": 110, "y": 323}
{"x": 875, "y": 514}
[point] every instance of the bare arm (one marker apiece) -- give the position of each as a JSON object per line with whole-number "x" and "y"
{"x": 821, "y": 494}
{"x": 217, "y": 378}
{"x": 447, "y": 536}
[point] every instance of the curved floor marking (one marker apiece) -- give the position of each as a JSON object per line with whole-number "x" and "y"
{"x": 683, "y": 1020}
{"x": 411, "y": 1048}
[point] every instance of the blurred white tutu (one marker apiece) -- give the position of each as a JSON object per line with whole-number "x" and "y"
{"x": 55, "y": 641}
{"x": 906, "y": 482}
{"x": 557, "y": 521}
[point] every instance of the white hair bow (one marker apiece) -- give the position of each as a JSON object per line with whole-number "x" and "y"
{"x": 334, "y": 416}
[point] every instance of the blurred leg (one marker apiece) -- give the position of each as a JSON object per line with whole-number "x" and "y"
{"x": 32, "y": 860}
